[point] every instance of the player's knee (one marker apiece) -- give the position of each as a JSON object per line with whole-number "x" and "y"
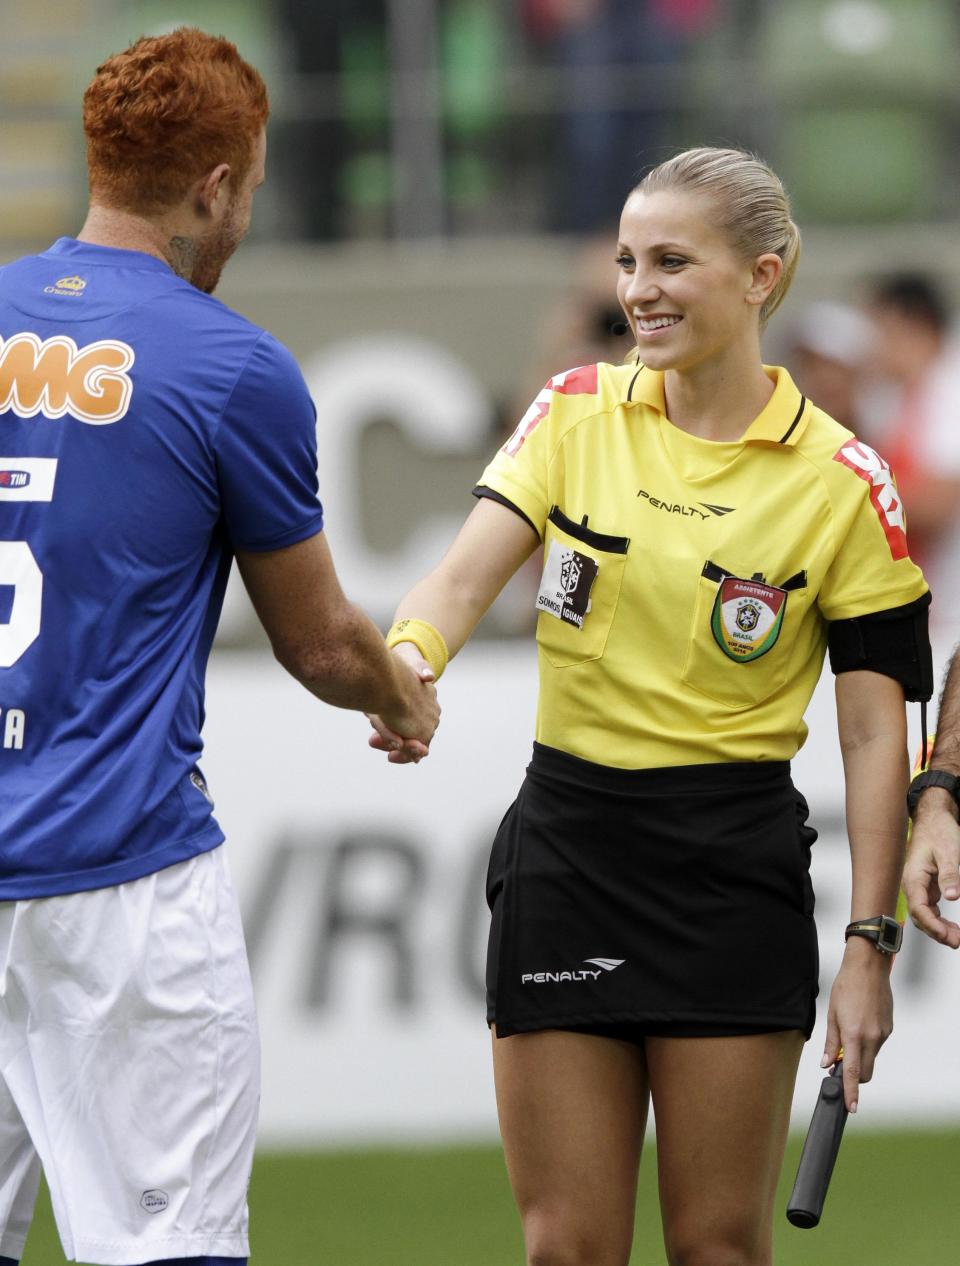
{"x": 708, "y": 1250}
{"x": 584, "y": 1253}
{"x": 555, "y": 1242}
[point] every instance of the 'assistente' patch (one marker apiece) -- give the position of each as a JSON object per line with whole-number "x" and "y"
{"x": 568, "y": 577}
{"x": 747, "y": 617}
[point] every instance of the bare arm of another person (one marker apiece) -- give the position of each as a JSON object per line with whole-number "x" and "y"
{"x": 930, "y": 500}
{"x": 328, "y": 644}
{"x": 487, "y": 551}
{"x": 873, "y": 740}
{"x": 933, "y": 859}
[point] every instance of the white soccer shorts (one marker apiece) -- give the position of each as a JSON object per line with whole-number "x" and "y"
{"x": 129, "y": 1067}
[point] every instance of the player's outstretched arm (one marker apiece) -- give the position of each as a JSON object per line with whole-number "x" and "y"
{"x": 329, "y": 645}
{"x": 933, "y": 859}
{"x": 873, "y": 741}
{"x": 489, "y": 548}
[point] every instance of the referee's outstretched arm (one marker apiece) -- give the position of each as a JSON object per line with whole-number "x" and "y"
{"x": 933, "y": 860}
{"x": 330, "y": 646}
{"x": 489, "y": 548}
{"x": 872, "y": 726}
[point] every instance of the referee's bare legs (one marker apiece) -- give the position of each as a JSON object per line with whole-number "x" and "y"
{"x": 572, "y": 1113}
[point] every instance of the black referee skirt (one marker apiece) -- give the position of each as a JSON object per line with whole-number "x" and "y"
{"x": 669, "y": 902}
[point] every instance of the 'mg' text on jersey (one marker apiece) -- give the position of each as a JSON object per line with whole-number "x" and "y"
{"x": 55, "y": 377}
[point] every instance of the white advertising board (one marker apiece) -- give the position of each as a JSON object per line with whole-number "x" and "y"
{"x": 362, "y": 890}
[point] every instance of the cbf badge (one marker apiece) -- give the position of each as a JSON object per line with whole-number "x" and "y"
{"x": 568, "y": 577}
{"x": 747, "y": 616}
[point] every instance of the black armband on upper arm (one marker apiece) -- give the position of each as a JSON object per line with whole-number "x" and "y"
{"x": 482, "y": 490}
{"x": 895, "y": 643}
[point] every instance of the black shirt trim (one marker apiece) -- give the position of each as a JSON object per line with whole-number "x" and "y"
{"x": 580, "y": 532}
{"x": 482, "y": 490}
{"x": 793, "y": 425}
{"x": 711, "y": 571}
{"x": 632, "y": 381}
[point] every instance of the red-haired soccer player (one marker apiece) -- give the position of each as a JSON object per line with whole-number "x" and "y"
{"x": 147, "y": 434}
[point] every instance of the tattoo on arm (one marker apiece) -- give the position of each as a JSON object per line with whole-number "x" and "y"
{"x": 946, "y": 749}
{"x": 181, "y": 255}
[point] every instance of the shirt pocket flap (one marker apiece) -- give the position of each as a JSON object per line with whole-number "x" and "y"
{"x": 579, "y": 589}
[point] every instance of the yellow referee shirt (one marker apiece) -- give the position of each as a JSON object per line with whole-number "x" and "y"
{"x": 687, "y": 584}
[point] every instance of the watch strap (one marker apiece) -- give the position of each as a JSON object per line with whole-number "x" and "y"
{"x": 932, "y": 778}
{"x": 885, "y": 932}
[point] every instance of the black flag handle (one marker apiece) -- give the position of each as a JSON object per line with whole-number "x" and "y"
{"x": 819, "y": 1152}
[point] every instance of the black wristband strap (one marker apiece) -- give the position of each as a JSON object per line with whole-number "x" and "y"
{"x": 886, "y": 933}
{"x": 932, "y": 778}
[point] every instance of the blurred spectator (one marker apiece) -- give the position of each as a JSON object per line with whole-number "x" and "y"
{"x": 917, "y": 351}
{"x": 340, "y": 145}
{"x": 336, "y": 154}
{"x": 585, "y": 327}
{"x": 617, "y": 121}
{"x": 827, "y": 353}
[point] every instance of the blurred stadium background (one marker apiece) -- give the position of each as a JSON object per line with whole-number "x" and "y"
{"x": 435, "y": 238}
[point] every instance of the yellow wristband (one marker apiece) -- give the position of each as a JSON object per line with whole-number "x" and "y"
{"x": 428, "y": 641}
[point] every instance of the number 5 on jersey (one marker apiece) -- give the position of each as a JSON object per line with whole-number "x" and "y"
{"x": 22, "y": 479}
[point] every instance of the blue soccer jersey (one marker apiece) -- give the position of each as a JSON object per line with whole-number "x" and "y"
{"x": 146, "y": 431}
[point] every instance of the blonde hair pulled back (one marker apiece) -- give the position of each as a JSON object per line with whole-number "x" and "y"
{"x": 752, "y": 204}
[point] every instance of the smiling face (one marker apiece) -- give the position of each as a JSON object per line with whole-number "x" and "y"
{"x": 688, "y": 296}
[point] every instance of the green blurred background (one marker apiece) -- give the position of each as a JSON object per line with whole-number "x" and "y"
{"x": 891, "y": 1199}
{"x": 409, "y": 119}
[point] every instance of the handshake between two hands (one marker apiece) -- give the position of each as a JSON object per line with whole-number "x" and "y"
{"x": 405, "y": 734}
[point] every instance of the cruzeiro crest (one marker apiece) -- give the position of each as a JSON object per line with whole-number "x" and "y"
{"x": 747, "y": 617}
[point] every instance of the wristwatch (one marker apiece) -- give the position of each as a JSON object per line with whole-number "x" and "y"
{"x": 886, "y": 933}
{"x": 932, "y": 778}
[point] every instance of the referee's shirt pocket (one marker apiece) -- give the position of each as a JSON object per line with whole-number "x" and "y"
{"x": 579, "y": 589}
{"x": 742, "y": 635}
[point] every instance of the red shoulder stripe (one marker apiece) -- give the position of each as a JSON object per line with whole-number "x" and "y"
{"x": 581, "y": 381}
{"x": 870, "y": 466}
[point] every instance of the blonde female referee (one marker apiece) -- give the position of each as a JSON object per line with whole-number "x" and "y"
{"x": 708, "y": 535}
